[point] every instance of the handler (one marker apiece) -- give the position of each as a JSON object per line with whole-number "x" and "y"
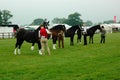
{"x": 44, "y": 39}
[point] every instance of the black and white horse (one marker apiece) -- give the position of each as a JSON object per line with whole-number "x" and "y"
{"x": 29, "y": 36}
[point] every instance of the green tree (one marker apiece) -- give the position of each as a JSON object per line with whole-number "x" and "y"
{"x": 88, "y": 23}
{"x": 74, "y": 19}
{"x": 0, "y": 17}
{"x": 109, "y": 21}
{"x": 37, "y": 21}
{"x": 6, "y": 15}
{"x": 58, "y": 20}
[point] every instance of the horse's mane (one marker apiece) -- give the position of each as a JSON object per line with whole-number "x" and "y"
{"x": 96, "y": 26}
{"x": 73, "y": 27}
{"x": 38, "y": 28}
{"x": 56, "y": 27}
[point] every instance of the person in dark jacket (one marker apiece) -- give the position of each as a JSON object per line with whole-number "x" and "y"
{"x": 103, "y": 32}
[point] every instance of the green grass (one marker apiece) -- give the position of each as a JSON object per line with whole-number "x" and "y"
{"x": 92, "y": 62}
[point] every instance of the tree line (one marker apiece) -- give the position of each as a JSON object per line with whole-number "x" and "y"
{"x": 72, "y": 19}
{"x": 5, "y": 15}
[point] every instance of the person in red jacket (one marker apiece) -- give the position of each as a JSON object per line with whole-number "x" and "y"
{"x": 44, "y": 39}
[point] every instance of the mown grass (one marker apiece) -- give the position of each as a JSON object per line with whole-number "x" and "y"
{"x": 92, "y": 62}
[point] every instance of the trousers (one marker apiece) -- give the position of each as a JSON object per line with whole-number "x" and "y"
{"x": 44, "y": 43}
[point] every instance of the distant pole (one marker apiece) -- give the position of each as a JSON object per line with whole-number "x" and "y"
{"x": 114, "y": 19}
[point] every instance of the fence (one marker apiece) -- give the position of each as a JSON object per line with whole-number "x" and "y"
{"x": 6, "y": 35}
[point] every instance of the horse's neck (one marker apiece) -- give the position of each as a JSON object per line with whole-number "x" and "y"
{"x": 94, "y": 29}
{"x": 74, "y": 29}
{"x": 37, "y": 29}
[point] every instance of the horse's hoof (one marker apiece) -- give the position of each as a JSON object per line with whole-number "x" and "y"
{"x": 19, "y": 51}
{"x": 40, "y": 52}
{"x": 54, "y": 48}
{"x": 32, "y": 48}
{"x": 15, "y": 52}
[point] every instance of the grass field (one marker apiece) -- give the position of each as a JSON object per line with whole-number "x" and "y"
{"x": 92, "y": 62}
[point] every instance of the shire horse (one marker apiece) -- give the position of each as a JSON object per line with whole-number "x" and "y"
{"x": 90, "y": 33}
{"x": 29, "y": 36}
{"x": 71, "y": 32}
{"x": 58, "y": 34}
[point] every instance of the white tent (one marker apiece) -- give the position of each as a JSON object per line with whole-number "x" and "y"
{"x": 35, "y": 27}
{"x": 107, "y": 27}
{"x": 66, "y": 26}
{"x": 115, "y": 25}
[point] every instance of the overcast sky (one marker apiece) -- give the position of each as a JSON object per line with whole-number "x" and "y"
{"x": 25, "y": 11}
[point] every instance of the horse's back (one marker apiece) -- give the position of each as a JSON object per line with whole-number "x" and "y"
{"x": 27, "y": 35}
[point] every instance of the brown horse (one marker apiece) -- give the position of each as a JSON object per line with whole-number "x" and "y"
{"x": 57, "y": 35}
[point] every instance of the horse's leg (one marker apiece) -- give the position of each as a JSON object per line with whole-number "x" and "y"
{"x": 89, "y": 39}
{"x": 92, "y": 39}
{"x": 62, "y": 43}
{"x": 32, "y": 47}
{"x": 59, "y": 42}
{"x": 85, "y": 40}
{"x": 79, "y": 36}
{"x": 16, "y": 45}
{"x": 79, "y": 39}
{"x": 20, "y": 44}
{"x": 39, "y": 47}
{"x": 71, "y": 40}
{"x": 54, "y": 42}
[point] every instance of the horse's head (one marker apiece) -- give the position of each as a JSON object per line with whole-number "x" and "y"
{"x": 63, "y": 28}
{"x": 59, "y": 28}
{"x": 46, "y": 24}
{"x": 77, "y": 27}
{"x": 99, "y": 27}
{"x": 94, "y": 28}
